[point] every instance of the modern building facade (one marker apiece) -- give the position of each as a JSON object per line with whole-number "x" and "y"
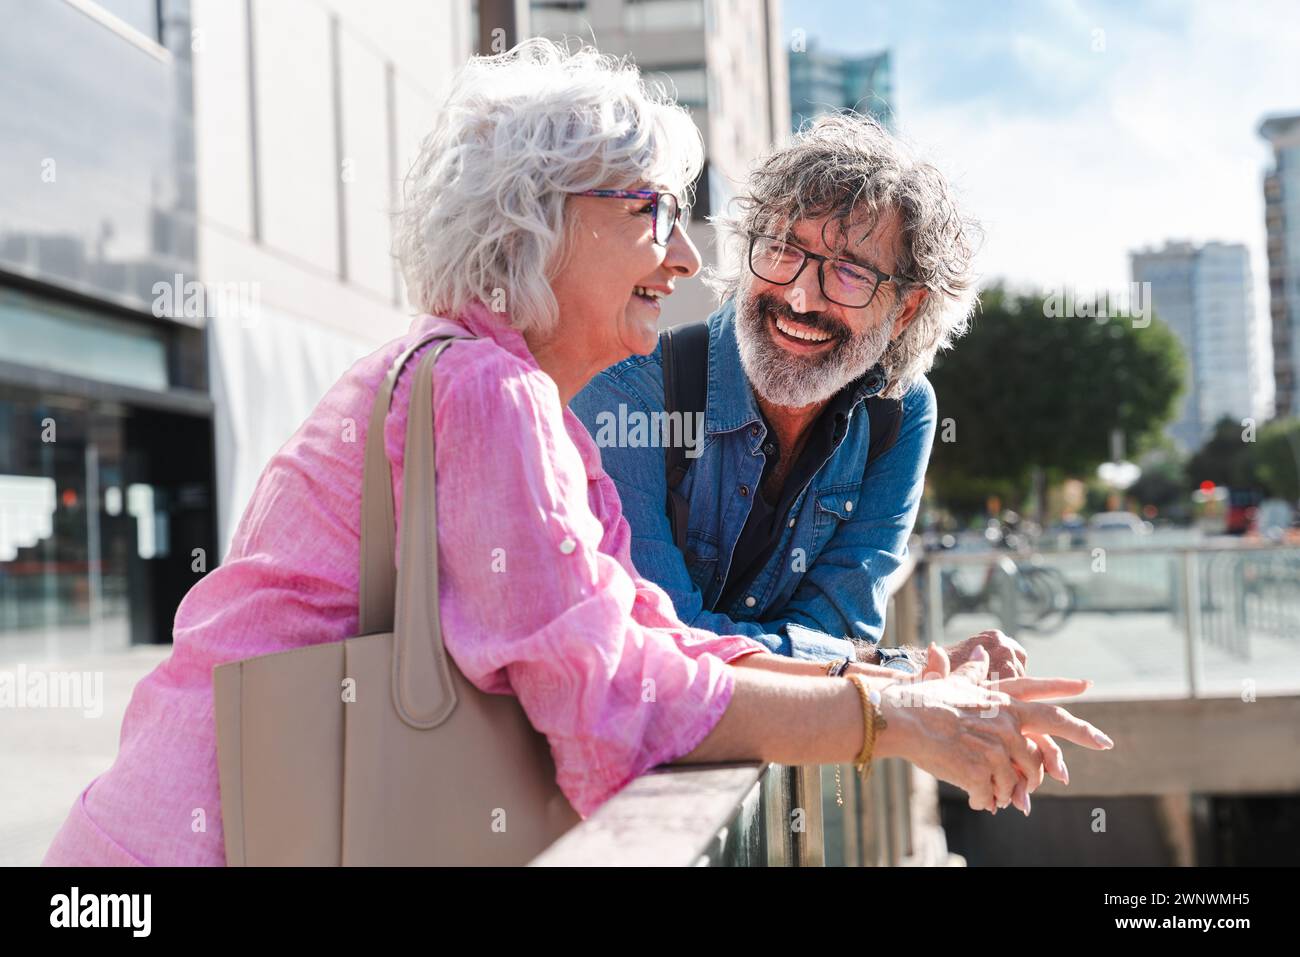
{"x": 107, "y": 487}
{"x": 822, "y": 82}
{"x": 194, "y": 244}
{"x": 725, "y": 61}
{"x": 1204, "y": 294}
{"x": 1282, "y": 225}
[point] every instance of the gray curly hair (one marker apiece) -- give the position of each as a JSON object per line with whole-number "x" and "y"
{"x": 483, "y": 217}
{"x": 848, "y": 167}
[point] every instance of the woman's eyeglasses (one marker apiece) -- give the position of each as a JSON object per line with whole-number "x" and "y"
{"x": 664, "y": 208}
{"x": 844, "y": 283}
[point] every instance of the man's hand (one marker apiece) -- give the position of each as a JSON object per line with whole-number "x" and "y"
{"x": 1007, "y": 659}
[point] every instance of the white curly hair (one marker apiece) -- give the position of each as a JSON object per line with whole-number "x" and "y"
{"x": 483, "y": 211}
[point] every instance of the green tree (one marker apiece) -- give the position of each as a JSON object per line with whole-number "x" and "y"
{"x": 1226, "y": 458}
{"x": 1277, "y": 454}
{"x": 1163, "y": 484}
{"x": 1023, "y": 391}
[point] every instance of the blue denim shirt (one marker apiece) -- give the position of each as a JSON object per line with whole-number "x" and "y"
{"x": 848, "y": 530}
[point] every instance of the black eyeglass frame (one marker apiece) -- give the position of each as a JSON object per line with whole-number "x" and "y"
{"x": 882, "y": 277}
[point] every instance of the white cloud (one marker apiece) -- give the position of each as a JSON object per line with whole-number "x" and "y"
{"x": 1156, "y": 139}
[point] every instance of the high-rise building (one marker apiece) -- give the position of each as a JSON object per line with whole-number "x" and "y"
{"x": 724, "y": 60}
{"x": 1282, "y": 224}
{"x": 822, "y": 82}
{"x": 1204, "y": 295}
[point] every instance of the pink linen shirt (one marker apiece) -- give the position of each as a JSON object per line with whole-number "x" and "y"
{"x": 538, "y": 594}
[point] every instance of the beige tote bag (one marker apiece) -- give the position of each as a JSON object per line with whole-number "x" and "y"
{"x": 377, "y": 750}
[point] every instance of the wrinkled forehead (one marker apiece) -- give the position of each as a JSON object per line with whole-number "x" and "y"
{"x": 656, "y": 183}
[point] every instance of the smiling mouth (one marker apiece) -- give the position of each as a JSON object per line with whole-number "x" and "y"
{"x": 648, "y": 295}
{"x": 796, "y": 333}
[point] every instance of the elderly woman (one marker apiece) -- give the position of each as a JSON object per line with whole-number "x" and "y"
{"x": 542, "y": 219}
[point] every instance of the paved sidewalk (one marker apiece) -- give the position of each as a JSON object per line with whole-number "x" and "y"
{"x": 50, "y": 754}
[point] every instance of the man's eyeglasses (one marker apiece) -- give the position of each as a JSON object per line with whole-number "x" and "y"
{"x": 664, "y": 208}
{"x": 844, "y": 283}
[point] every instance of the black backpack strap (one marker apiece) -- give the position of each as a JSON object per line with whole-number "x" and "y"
{"x": 685, "y": 357}
{"x": 886, "y": 420}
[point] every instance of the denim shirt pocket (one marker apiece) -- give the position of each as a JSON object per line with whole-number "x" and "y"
{"x": 701, "y": 559}
{"x": 831, "y": 506}
{"x": 835, "y": 504}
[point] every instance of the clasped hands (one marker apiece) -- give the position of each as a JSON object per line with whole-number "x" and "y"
{"x": 961, "y": 720}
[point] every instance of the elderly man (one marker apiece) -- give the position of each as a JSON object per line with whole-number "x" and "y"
{"x": 844, "y": 271}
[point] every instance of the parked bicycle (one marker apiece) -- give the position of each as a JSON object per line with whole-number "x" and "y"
{"x": 1024, "y": 593}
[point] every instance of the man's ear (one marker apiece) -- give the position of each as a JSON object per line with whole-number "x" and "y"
{"x": 911, "y": 308}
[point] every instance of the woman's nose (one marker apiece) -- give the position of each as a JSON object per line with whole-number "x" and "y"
{"x": 682, "y": 258}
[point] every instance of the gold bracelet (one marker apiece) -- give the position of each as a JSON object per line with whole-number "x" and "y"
{"x": 873, "y": 723}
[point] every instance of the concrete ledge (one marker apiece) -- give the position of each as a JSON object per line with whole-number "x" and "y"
{"x": 1187, "y": 745}
{"x": 666, "y": 818}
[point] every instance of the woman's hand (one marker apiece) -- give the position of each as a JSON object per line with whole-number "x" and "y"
{"x": 938, "y": 666}
{"x": 1024, "y": 689}
{"x": 974, "y": 734}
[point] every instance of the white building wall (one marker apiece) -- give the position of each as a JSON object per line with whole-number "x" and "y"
{"x": 297, "y": 208}
{"x": 295, "y": 131}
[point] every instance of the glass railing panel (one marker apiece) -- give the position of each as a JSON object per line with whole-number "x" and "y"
{"x": 1141, "y": 623}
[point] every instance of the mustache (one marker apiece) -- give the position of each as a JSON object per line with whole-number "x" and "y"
{"x": 777, "y": 308}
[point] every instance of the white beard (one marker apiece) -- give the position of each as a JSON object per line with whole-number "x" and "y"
{"x": 793, "y": 381}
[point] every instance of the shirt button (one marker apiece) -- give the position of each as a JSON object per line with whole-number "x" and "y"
{"x": 750, "y": 601}
{"x": 768, "y": 448}
{"x": 790, "y": 524}
{"x": 848, "y": 506}
{"x": 753, "y": 430}
{"x": 744, "y": 490}
{"x": 567, "y": 546}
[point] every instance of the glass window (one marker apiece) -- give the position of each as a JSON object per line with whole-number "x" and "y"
{"x": 689, "y": 84}
{"x": 105, "y": 523}
{"x": 47, "y": 335}
{"x": 646, "y": 15}
{"x": 140, "y": 14}
{"x": 102, "y": 134}
{"x": 557, "y": 16}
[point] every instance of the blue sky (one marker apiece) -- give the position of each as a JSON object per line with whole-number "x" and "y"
{"x": 1078, "y": 130}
